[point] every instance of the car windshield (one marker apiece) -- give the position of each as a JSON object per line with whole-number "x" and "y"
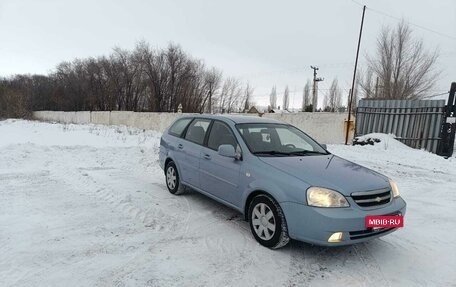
{"x": 268, "y": 139}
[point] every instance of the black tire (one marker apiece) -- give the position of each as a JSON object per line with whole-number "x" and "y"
{"x": 260, "y": 226}
{"x": 172, "y": 179}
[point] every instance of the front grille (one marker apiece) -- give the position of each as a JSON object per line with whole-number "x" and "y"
{"x": 368, "y": 232}
{"x": 372, "y": 198}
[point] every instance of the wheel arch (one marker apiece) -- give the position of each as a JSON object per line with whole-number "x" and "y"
{"x": 251, "y": 196}
{"x": 167, "y": 160}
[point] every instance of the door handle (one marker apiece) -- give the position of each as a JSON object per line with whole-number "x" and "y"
{"x": 206, "y": 156}
{"x": 180, "y": 146}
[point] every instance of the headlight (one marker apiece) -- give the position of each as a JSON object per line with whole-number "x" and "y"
{"x": 323, "y": 197}
{"x": 394, "y": 188}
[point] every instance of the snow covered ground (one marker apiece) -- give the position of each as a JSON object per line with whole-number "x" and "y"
{"x": 87, "y": 206}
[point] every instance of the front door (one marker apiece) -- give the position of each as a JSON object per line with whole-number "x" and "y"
{"x": 219, "y": 175}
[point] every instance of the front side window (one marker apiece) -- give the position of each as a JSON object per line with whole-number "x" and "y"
{"x": 178, "y": 127}
{"x": 265, "y": 139}
{"x": 220, "y": 134}
{"x": 196, "y": 131}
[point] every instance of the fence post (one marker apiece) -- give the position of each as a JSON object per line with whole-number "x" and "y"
{"x": 447, "y": 132}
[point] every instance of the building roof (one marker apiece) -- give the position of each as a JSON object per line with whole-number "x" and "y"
{"x": 252, "y": 110}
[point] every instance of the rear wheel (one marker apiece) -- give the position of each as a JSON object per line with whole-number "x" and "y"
{"x": 267, "y": 222}
{"x": 172, "y": 179}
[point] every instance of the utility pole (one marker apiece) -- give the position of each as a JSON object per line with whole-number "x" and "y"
{"x": 354, "y": 75}
{"x": 315, "y": 88}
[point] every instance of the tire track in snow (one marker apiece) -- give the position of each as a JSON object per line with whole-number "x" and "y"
{"x": 311, "y": 264}
{"x": 97, "y": 182}
{"x": 95, "y": 178}
{"x": 302, "y": 269}
{"x": 372, "y": 274}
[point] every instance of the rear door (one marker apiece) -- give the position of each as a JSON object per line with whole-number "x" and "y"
{"x": 191, "y": 150}
{"x": 173, "y": 142}
{"x": 219, "y": 175}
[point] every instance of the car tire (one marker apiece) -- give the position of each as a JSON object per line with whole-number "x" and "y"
{"x": 267, "y": 222}
{"x": 172, "y": 179}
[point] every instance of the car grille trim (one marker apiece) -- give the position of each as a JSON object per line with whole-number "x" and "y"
{"x": 372, "y": 198}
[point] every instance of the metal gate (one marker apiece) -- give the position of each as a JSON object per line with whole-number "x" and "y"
{"x": 416, "y": 123}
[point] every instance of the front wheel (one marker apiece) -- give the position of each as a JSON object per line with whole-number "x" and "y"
{"x": 267, "y": 222}
{"x": 172, "y": 179}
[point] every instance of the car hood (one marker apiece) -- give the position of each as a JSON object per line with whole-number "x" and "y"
{"x": 329, "y": 171}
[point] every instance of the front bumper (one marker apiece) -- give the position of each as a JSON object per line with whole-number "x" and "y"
{"x": 315, "y": 225}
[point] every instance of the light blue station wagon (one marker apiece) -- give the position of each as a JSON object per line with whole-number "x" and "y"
{"x": 284, "y": 183}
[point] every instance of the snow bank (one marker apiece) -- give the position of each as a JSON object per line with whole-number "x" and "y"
{"x": 384, "y": 141}
{"x": 390, "y": 151}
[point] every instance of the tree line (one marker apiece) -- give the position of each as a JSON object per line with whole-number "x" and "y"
{"x": 143, "y": 79}
{"x": 332, "y": 99}
{"x": 159, "y": 80}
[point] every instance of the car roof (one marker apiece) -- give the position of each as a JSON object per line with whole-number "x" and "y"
{"x": 237, "y": 119}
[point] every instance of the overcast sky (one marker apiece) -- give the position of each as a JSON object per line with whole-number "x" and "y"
{"x": 264, "y": 42}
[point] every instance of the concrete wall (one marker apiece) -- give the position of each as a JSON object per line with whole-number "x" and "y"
{"x": 324, "y": 127}
{"x": 101, "y": 118}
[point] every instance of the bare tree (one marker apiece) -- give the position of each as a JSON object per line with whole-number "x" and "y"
{"x": 286, "y": 99}
{"x": 306, "y": 96}
{"x": 213, "y": 79}
{"x": 230, "y": 99}
{"x": 273, "y": 98}
{"x": 326, "y": 106}
{"x": 335, "y": 97}
{"x": 248, "y": 92}
{"x": 402, "y": 67}
{"x": 129, "y": 66}
{"x": 14, "y": 102}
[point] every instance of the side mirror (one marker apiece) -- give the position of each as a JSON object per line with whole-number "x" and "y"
{"x": 227, "y": 150}
{"x": 324, "y": 146}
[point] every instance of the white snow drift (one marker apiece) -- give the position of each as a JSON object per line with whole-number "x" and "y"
{"x": 87, "y": 206}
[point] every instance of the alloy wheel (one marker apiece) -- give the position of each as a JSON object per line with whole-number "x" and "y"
{"x": 263, "y": 221}
{"x": 171, "y": 177}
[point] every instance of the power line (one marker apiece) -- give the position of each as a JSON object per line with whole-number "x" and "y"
{"x": 295, "y": 70}
{"x": 413, "y": 24}
{"x": 436, "y": 95}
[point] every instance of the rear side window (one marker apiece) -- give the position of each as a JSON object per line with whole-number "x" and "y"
{"x": 196, "y": 132}
{"x": 178, "y": 127}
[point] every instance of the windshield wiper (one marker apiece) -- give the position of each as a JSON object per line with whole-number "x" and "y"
{"x": 271, "y": 152}
{"x": 275, "y": 152}
{"x": 304, "y": 152}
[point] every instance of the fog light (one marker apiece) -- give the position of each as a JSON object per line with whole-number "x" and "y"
{"x": 335, "y": 237}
